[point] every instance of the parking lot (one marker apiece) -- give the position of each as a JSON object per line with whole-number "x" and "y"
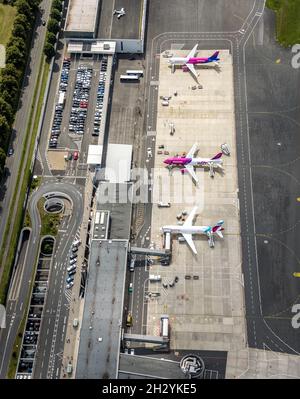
{"x": 78, "y": 112}
{"x": 205, "y": 303}
{"x": 34, "y": 318}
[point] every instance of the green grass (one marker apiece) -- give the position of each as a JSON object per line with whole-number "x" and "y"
{"x": 27, "y": 220}
{"x": 49, "y": 221}
{"x": 18, "y": 221}
{"x": 287, "y": 20}
{"x": 7, "y": 16}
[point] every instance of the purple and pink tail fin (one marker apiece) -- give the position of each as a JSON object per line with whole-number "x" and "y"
{"x": 218, "y": 156}
{"x": 214, "y": 56}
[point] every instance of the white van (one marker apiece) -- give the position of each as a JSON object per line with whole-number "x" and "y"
{"x": 72, "y": 261}
{"x": 154, "y": 277}
{"x": 164, "y": 204}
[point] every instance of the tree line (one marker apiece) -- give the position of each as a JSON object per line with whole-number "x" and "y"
{"x": 53, "y": 28}
{"x": 11, "y": 77}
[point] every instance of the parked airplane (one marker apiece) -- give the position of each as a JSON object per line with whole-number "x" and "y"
{"x": 191, "y": 60}
{"x": 119, "y": 13}
{"x": 187, "y": 163}
{"x": 187, "y": 230}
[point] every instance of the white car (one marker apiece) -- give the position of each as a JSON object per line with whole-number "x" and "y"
{"x": 70, "y": 285}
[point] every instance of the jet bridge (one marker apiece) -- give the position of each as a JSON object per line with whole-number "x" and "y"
{"x": 148, "y": 251}
{"x": 145, "y": 338}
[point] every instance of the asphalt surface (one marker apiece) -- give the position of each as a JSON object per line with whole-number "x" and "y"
{"x": 21, "y": 120}
{"x": 273, "y": 100}
{"x": 266, "y": 103}
{"x": 127, "y": 27}
{"x": 267, "y": 99}
{"x": 195, "y": 16}
{"x": 56, "y": 305}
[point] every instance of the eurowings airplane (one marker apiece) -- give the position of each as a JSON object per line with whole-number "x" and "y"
{"x": 187, "y": 230}
{"x": 191, "y": 60}
{"x": 187, "y": 163}
{"x": 119, "y": 13}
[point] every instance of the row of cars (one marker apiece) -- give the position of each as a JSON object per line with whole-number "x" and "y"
{"x": 59, "y": 107}
{"x": 100, "y": 97}
{"x": 80, "y": 99}
{"x": 72, "y": 264}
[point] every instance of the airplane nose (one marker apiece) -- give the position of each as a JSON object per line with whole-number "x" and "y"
{"x": 167, "y": 161}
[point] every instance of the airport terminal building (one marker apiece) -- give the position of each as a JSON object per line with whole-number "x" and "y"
{"x": 86, "y": 23}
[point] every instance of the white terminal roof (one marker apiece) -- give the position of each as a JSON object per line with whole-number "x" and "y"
{"x": 95, "y": 155}
{"x": 82, "y": 15}
{"x": 92, "y": 47}
{"x": 118, "y": 163}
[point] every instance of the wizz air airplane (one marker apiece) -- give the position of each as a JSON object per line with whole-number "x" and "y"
{"x": 187, "y": 230}
{"x": 191, "y": 60}
{"x": 187, "y": 163}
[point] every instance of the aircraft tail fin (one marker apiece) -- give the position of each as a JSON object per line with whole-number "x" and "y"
{"x": 217, "y": 228}
{"x": 215, "y": 56}
{"x": 218, "y": 156}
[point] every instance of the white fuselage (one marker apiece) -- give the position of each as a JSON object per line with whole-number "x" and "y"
{"x": 178, "y": 60}
{"x": 186, "y": 229}
{"x": 205, "y": 161}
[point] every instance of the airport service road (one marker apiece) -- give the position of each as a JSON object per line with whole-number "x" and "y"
{"x": 260, "y": 335}
{"x": 55, "y": 313}
{"x": 52, "y": 333}
{"x": 17, "y": 300}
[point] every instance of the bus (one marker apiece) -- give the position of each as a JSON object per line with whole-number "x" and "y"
{"x": 102, "y": 217}
{"x": 129, "y": 78}
{"x": 164, "y": 326}
{"x": 168, "y": 242}
{"x": 129, "y": 320}
{"x": 140, "y": 74}
{"x": 97, "y": 219}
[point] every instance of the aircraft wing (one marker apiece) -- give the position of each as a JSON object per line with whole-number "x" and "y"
{"x": 192, "y": 151}
{"x": 192, "y": 69}
{"x": 192, "y": 53}
{"x": 189, "y": 220}
{"x": 189, "y": 239}
{"x": 191, "y": 171}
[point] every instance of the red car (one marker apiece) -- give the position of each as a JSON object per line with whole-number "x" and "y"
{"x": 75, "y": 155}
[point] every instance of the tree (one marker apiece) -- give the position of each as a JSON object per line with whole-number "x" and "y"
{"x": 49, "y": 50}
{"x": 57, "y": 4}
{"x": 55, "y": 14}
{"x": 19, "y": 31}
{"x": 6, "y": 111}
{"x": 4, "y": 131}
{"x": 15, "y": 57}
{"x": 9, "y": 88}
{"x": 19, "y": 43}
{"x": 10, "y": 70}
{"x": 24, "y": 8}
{"x": 53, "y": 26}
{"x": 2, "y": 161}
{"x": 22, "y": 20}
{"x": 51, "y": 38}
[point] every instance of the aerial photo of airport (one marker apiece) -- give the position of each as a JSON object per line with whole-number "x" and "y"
{"x": 149, "y": 189}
